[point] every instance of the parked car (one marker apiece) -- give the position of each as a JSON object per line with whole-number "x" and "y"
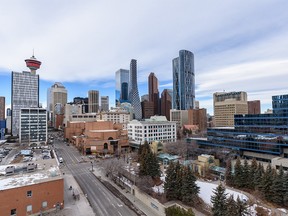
{"x": 46, "y": 157}
{"x": 61, "y": 160}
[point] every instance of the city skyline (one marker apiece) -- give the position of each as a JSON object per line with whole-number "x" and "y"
{"x": 236, "y": 46}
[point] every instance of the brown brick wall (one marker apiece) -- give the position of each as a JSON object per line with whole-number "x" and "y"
{"x": 16, "y": 198}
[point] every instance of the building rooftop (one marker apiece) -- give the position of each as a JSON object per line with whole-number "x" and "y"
{"x": 168, "y": 156}
{"x": 157, "y": 119}
{"x": 102, "y": 131}
{"x": 44, "y": 170}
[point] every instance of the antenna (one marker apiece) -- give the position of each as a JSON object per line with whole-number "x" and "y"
{"x": 33, "y": 53}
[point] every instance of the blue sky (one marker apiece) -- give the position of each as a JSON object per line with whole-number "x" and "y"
{"x": 238, "y": 46}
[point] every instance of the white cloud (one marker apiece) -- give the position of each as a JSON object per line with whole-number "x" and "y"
{"x": 237, "y": 46}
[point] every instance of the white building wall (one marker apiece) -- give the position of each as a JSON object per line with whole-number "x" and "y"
{"x": 141, "y": 131}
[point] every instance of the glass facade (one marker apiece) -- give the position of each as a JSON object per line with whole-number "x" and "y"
{"x": 261, "y": 133}
{"x": 25, "y": 94}
{"x": 183, "y": 81}
{"x": 121, "y": 88}
{"x": 133, "y": 91}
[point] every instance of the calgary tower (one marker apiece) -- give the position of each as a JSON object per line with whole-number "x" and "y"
{"x": 33, "y": 64}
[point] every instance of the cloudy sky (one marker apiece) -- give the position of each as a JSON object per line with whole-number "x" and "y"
{"x": 238, "y": 45}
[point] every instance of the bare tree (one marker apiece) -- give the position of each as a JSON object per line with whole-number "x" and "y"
{"x": 181, "y": 148}
{"x": 112, "y": 167}
{"x": 145, "y": 184}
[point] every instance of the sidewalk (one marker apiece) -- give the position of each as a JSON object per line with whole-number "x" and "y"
{"x": 138, "y": 204}
{"x": 73, "y": 207}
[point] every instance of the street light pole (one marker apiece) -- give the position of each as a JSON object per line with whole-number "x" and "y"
{"x": 92, "y": 165}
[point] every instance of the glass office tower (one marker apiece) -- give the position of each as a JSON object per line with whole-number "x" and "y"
{"x": 183, "y": 81}
{"x": 133, "y": 91}
{"x": 121, "y": 88}
{"x": 25, "y": 94}
{"x": 266, "y": 135}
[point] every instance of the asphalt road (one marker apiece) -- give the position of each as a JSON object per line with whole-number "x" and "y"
{"x": 103, "y": 202}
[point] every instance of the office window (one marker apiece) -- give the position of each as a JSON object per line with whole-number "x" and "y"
{"x": 29, "y": 193}
{"x": 13, "y": 212}
{"x": 44, "y": 204}
{"x": 29, "y": 208}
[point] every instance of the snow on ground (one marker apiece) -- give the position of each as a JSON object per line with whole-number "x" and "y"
{"x": 206, "y": 191}
{"x": 283, "y": 210}
{"x": 253, "y": 212}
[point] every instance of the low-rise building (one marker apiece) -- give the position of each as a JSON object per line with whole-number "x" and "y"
{"x": 157, "y": 128}
{"x": 31, "y": 188}
{"x": 102, "y": 137}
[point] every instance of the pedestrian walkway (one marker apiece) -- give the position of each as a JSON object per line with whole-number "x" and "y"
{"x": 73, "y": 206}
{"x": 138, "y": 204}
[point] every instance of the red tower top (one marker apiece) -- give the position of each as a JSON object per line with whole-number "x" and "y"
{"x": 33, "y": 64}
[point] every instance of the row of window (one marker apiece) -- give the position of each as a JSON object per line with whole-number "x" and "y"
{"x": 29, "y": 208}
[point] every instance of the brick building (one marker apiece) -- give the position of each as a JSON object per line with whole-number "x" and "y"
{"x": 102, "y": 137}
{"x": 31, "y": 189}
{"x": 198, "y": 117}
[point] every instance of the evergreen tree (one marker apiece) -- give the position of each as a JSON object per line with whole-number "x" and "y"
{"x": 285, "y": 186}
{"x": 145, "y": 153}
{"x": 266, "y": 183}
{"x": 154, "y": 167}
{"x": 241, "y": 208}
{"x": 246, "y": 175}
{"x": 170, "y": 182}
{"x": 189, "y": 190}
{"x": 278, "y": 189}
{"x": 252, "y": 174}
{"x": 177, "y": 211}
{"x": 258, "y": 177}
{"x": 139, "y": 153}
{"x": 179, "y": 177}
{"x": 231, "y": 206}
{"x": 149, "y": 165}
{"x": 228, "y": 174}
{"x": 238, "y": 177}
{"x": 218, "y": 201}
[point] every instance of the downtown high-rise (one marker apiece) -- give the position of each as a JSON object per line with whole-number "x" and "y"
{"x": 93, "y": 101}
{"x": 104, "y": 103}
{"x": 166, "y": 102}
{"x": 121, "y": 88}
{"x": 154, "y": 93}
{"x": 25, "y": 91}
{"x": 133, "y": 91}
{"x": 2, "y": 108}
{"x": 56, "y": 100}
{"x": 183, "y": 81}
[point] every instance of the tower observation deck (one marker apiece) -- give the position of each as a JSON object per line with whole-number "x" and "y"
{"x": 33, "y": 64}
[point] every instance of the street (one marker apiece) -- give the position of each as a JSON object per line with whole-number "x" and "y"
{"x": 101, "y": 199}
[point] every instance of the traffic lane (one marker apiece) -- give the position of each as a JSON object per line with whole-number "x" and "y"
{"x": 110, "y": 197}
{"x": 100, "y": 194}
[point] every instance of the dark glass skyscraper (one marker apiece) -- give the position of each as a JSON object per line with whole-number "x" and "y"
{"x": 122, "y": 85}
{"x": 133, "y": 91}
{"x": 183, "y": 81}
